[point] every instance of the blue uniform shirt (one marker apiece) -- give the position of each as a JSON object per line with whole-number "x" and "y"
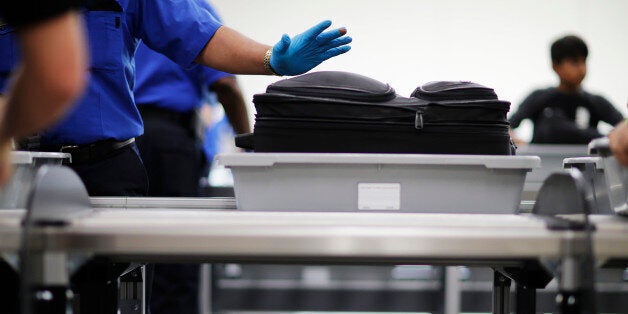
{"x": 165, "y": 84}
{"x": 161, "y": 82}
{"x": 179, "y": 29}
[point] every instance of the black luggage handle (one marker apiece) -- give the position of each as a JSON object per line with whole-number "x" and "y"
{"x": 245, "y": 141}
{"x": 418, "y": 120}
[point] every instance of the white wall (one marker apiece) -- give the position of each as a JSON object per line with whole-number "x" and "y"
{"x": 503, "y": 44}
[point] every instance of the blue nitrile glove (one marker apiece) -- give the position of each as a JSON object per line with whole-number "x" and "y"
{"x": 309, "y": 49}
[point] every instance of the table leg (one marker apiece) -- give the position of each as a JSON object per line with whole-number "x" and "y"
{"x": 526, "y": 299}
{"x": 46, "y": 284}
{"x": 501, "y": 293}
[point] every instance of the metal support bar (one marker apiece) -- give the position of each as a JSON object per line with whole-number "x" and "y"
{"x": 207, "y": 289}
{"x": 46, "y": 287}
{"x": 526, "y": 299}
{"x": 452, "y": 290}
{"x": 576, "y": 291}
{"x": 132, "y": 295}
{"x": 501, "y": 293}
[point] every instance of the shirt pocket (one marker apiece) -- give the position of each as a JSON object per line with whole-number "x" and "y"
{"x": 105, "y": 39}
{"x": 8, "y": 49}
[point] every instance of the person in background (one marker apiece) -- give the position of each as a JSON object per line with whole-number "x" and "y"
{"x": 566, "y": 114}
{"x": 50, "y": 75}
{"x": 168, "y": 97}
{"x": 100, "y": 131}
{"x": 219, "y": 138}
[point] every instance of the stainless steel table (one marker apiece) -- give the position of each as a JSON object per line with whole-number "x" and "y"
{"x": 131, "y": 228}
{"x": 157, "y": 234}
{"x": 139, "y": 233}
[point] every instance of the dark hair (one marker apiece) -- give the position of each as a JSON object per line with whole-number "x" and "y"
{"x": 569, "y": 47}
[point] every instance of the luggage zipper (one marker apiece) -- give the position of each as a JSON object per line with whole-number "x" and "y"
{"x": 495, "y": 105}
{"x": 320, "y": 92}
{"x": 428, "y": 128}
{"x": 419, "y": 125}
{"x": 432, "y": 97}
{"x": 416, "y": 118}
{"x": 457, "y": 94}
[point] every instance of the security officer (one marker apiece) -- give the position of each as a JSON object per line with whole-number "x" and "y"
{"x": 168, "y": 97}
{"x": 100, "y": 130}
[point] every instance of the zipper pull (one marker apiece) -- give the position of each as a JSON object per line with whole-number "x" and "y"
{"x": 418, "y": 120}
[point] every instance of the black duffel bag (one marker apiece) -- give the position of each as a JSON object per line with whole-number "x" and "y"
{"x": 340, "y": 112}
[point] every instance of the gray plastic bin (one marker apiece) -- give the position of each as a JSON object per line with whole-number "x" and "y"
{"x": 552, "y": 157}
{"x": 616, "y": 176}
{"x": 378, "y": 182}
{"x": 25, "y": 164}
{"x": 593, "y": 170}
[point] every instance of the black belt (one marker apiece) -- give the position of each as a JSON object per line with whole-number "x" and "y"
{"x": 93, "y": 151}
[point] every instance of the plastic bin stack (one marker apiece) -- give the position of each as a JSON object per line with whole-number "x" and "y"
{"x": 616, "y": 176}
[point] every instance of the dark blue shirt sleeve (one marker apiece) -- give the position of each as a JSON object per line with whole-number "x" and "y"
{"x": 208, "y": 76}
{"x": 179, "y": 29}
{"x": 606, "y": 111}
{"x": 211, "y": 10}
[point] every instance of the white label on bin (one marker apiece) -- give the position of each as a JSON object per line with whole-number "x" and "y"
{"x": 379, "y": 196}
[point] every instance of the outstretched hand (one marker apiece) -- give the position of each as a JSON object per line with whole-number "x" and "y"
{"x": 293, "y": 56}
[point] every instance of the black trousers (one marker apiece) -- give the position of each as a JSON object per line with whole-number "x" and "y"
{"x": 9, "y": 289}
{"x": 120, "y": 173}
{"x": 173, "y": 159}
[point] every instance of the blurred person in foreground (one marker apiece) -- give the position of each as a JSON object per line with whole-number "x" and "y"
{"x": 50, "y": 74}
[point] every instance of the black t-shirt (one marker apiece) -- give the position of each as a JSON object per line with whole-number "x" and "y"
{"x": 19, "y": 13}
{"x": 561, "y": 118}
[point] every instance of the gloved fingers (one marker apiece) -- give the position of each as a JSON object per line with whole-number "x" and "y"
{"x": 335, "y": 52}
{"x": 317, "y": 30}
{"x": 283, "y": 44}
{"x": 339, "y": 42}
{"x": 331, "y": 35}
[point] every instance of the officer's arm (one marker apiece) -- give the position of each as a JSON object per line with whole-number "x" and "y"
{"x": 50, "y": 77}
{"x": 230, "y": 96}
{"x": 232, "y": 52}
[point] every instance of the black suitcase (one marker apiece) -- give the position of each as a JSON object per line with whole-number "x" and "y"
{"x": 340, "y": 112}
